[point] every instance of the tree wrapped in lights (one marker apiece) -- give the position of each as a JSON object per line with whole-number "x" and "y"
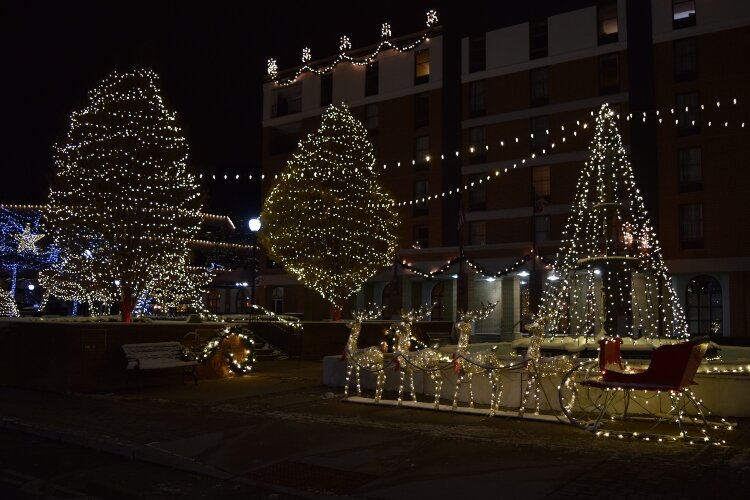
{"x": 609, "y": 277}
{"x": 20, "y": 255}
{"x": 327, "y": 219}
{"x": 123, "y": 205}
{"x": 8, "y": 306}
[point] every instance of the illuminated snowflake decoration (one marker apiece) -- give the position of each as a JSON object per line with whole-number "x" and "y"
{"x": 273, "y": 68}
{"x": 385, "y": 30}
{"x": 306, "y": 56}
{"x": 432, "y": 18}
{"x": 345, "y": 43}
{"x": 27, "y": 241}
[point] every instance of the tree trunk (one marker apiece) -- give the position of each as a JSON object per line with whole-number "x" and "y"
{"x": 335, "y": 312}
{"x": 127, "y": 304}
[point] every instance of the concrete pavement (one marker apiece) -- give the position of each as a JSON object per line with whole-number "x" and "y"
{"x": 280, "y": 430}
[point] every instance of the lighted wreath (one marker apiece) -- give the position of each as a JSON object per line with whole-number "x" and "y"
{"x": 237, "y": 344}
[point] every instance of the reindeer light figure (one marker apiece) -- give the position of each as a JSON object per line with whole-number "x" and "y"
{"x": 428, "y": 359}
{"x": 467, "y": 364}
{"x": 369, "y": 358}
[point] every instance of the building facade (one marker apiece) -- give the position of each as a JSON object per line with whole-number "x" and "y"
{"x": 481, "y": 133}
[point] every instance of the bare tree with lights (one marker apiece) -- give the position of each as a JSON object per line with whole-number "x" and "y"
{"x": 327, "y": 220}
{"x": 609, "y": 278}
{"x": 123, "y": 205}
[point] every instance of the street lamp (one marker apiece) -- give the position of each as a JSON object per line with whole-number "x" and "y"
{"x": 254, "y": 225}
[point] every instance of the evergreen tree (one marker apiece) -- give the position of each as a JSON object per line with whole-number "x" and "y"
{"x": 327, "y": 220}
{"x": 609, "y": 277}
{"x": 123, "y": 206}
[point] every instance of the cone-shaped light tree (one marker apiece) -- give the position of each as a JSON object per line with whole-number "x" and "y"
{"x": 7, "y": 305}
{"x": 327, "y": 220}
{"x": 123, "y": 205}
{"x": 609, "y": 276}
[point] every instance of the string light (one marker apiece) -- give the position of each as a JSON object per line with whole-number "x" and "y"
{"x": 123, "y": 186}
{"x": 327, "y": 219}
{"x": 345, "y": 45}
{"x": 607, "y": 218}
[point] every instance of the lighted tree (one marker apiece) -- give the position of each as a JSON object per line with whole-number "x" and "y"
{"x": 609, "y": 276}
{"x": 7, "y": 305}
{"x": 327, "y": 220}
{"x": 20, "y": 252}
{"x": 123, "y": 205}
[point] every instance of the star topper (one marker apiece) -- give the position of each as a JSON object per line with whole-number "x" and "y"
{"x": 27, "y": 241}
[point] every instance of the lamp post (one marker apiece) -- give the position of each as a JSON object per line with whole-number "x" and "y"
{"x": 254, "y": 225}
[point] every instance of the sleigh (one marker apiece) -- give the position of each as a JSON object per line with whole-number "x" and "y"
{"x": 608, "y": 398}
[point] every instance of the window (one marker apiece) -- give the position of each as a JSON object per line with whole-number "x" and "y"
{"x": 477, "y": 145}
{"x": 704, "y": 306}
{"x": 691, "y": 225}
{"x": 326, "y": 89}
{"x": 421, "y": 66}
{"x": 541, "y": 228}
{"x": 372, "y": 73}
{"x": 421, "y": 152}
{"x": 609, "y": 74}
{"x": 371, "y": 118}
{"x": 421, "y": 236}
{"x": 288, "y": 100}
{"x": 420, "y": 195}
{"x": 421, "y": 110}
{"x": 685, "y": 60}
{"x": 478, "y": 233}
{"x": 541, "y": 185}
{"x": 688, "y": 113}
{"x": 539, "y": 133}
{"x": 476, "y": 99}
{"x": 277, "y": 299}
{"x": 691, "y": 176}
{"x": 478, "y": 193}
{"x": 608, "y": 29}
{"x": 538, "y": 39}
{"x": 477, "y": 53}
{"x": 539, "y": 86}
{"x": 683, "y": 13}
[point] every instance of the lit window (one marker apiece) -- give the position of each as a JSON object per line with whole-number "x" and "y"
{"x": 421, "y": 66}
{"x": 608, "y": 28}
{"x": 683, "y": 13}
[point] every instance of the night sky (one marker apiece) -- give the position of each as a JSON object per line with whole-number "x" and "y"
{"x": 211, "y": 57}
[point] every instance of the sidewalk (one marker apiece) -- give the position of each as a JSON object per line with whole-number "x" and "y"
{"x": 280, "y": 429}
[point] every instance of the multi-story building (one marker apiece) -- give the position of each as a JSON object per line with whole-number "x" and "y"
{"x": 481, "y": 134}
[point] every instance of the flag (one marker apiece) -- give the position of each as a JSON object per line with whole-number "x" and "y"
{"x": 460, "y": 218}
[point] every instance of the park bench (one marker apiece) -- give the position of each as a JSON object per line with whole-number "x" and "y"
{"x": 158, "y": 355}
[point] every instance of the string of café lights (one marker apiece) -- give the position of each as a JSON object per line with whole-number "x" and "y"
{"x": 661, "y": 116}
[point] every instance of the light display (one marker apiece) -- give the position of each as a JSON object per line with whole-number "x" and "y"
{"x": 19, "y": 254}
{"x": 240, "y": 359}
{"x": 124, "y": 205}
{"x": 7, "y": 305}
{"x": 409, "y": 362}
{"x": 345, "y": 45}
{"x": 613, "y": 281}
{"x": 467, "y": 364}
{"x": 368, "y": 358}
{"x": 327, "y": 219}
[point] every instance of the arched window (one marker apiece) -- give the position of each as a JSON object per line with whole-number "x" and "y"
{"x": 704, "y": 306}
